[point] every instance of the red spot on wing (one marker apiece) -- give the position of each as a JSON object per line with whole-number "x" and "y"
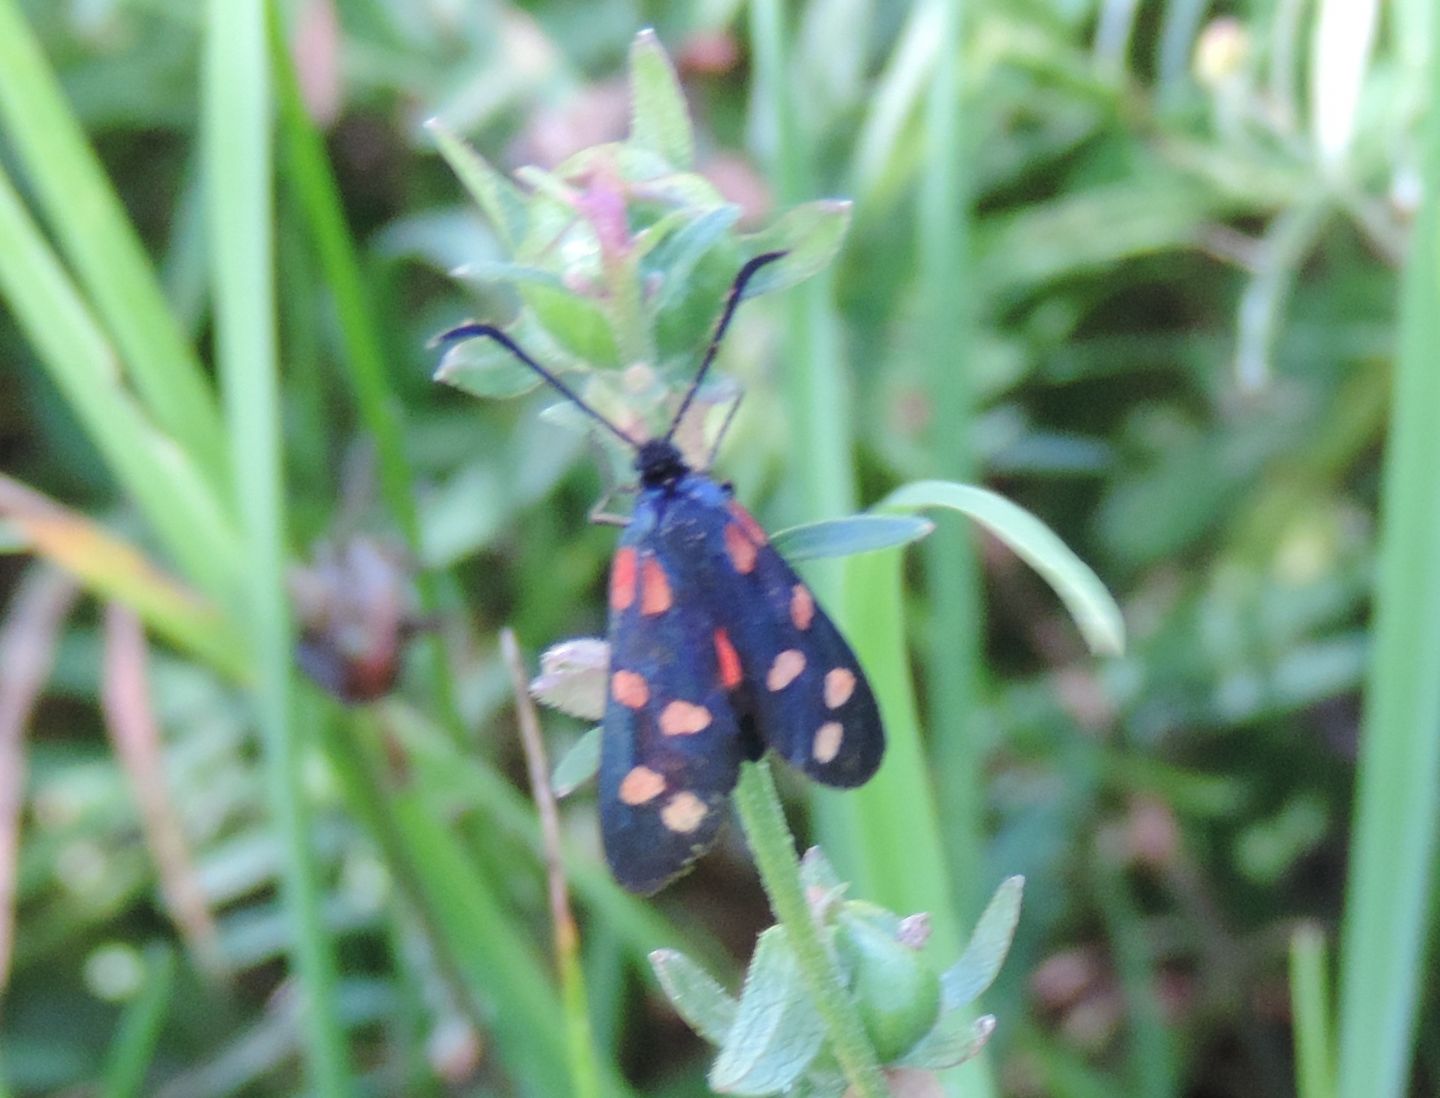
{"x": 728, "y": 659}
{"x": 740, "y": 549}
{"x": 655, "y": 595}
{"x": 753, "y": 530}
{"x": 802, "y": 607}
{"x": 622, "y": 579}
{"x": 629, "y": 689}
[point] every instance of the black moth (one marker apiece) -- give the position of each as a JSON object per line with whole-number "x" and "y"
{"x": 718, "y": 651}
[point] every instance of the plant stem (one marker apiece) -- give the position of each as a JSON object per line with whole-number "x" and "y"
{"x": 758, "y": 804}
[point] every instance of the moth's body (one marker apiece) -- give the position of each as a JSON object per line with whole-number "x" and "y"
{"x": 717, "y": 652}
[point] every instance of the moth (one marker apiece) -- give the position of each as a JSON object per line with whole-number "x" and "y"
{"x": 718, "y": 652}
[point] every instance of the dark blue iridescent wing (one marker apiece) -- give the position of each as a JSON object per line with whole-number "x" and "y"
{"x": 797, "y": 685}
{"x": 671, "y": 747}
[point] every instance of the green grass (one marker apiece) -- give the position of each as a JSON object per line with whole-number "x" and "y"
{"x": 1092, "y": 262}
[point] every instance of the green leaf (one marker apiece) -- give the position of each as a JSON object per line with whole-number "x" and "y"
{"x": 492, "y": 271}
{"x": 706, "y": 1007}
{"x": 675, "y": 257}
{"x": 776, "y": 1031}
{"x": 658, "y": 232}
{"x": 809, "y": 234}
{"x": 966, "y": 980}
{"x": 578, "y": 765}
{"x": 483, "y": 368}
{"x": 659, "y": 119}
{"x": 497, "y": 196}
{"x": 576, "y": 323}
{"x": 1094, "y": 611}
{"x": 954, "y": 1040}
{"x": 848, "y": 536}
{"x": 132, "y": 1050}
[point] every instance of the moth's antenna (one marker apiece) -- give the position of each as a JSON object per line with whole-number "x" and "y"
{"x": 475, "y": 331}
{"x": 732, "y": 302}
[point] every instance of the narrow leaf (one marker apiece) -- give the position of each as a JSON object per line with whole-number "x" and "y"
{"x": 659, "y": 119}
{"x": 497, "y": 196}
{"x": 809, "y": 234}
{"x": 1310, "y": 1009}
{"x": 676, "y": 256}
{"x": 576, "y": 323}
{"x": 483, "y": 368}
{"x": 659, "y": 241}
{"x": 133, "y": 1047}
{"x": 776, "y": 1032}
{"x": 967, "y": 979}
{"x": 578, "y": 765}
{"x": 848, "y": 536}
{"x": 490, "y": 271}
{"x": 706, "y": 1007}
{"x": 1092, "y": 607}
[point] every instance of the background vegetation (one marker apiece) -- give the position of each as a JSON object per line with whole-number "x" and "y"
{"x": 1164, "y": 272}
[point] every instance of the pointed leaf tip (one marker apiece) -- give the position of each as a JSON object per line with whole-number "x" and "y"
{"x": 967, "y": 979}
{"x": 776, "y": 1032}
{"x": 659, "y": 117}
{"x": 706, "y": 1007}
{"x": 1095, "y": 611}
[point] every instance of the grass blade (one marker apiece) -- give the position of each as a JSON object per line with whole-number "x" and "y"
{"x": 1398, "y": 785}
{"x": 379, "y": 406}
{"x": 1310, "y": 1009}
{"x": 104, "y": 249}
{"x": 133, "y": 1047}
{"x": 236, "y": 116}
{"x": 182, "y": 510}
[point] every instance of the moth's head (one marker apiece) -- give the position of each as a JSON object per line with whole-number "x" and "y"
{"x": 659, "y": 463}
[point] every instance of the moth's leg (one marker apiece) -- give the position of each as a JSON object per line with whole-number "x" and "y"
{"x": 602, "y": 517}
{"x": 598, "y": 513}
{"x": 724, "y": 430}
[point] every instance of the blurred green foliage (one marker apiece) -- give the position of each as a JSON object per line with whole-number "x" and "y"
{"x": 1183, "y": 274}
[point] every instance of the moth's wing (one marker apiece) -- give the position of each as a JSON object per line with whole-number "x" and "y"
{"x": 800, "y": 688}
{"x": 671, "y": 747}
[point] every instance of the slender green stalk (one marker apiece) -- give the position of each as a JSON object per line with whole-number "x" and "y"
{"x": 104, "y": 249}
{"x": 1398, "y": 783}
{"x": 133, "y": 1047}
{"x": 353, "y": 748}
{"x": 1310, "y": 1009}
{"x": 817, "y": 402}
{"x": 494, "y": 956}
{"x": 758, "y": 805}
{"x": 183, "y": 513}
{"x": 236, "y": 116}
{"x": 1152, "y": 1061}
{"x": 899, "y": 800}
{"x": 318, "y": 196}
{"x": 947, "y": 292}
